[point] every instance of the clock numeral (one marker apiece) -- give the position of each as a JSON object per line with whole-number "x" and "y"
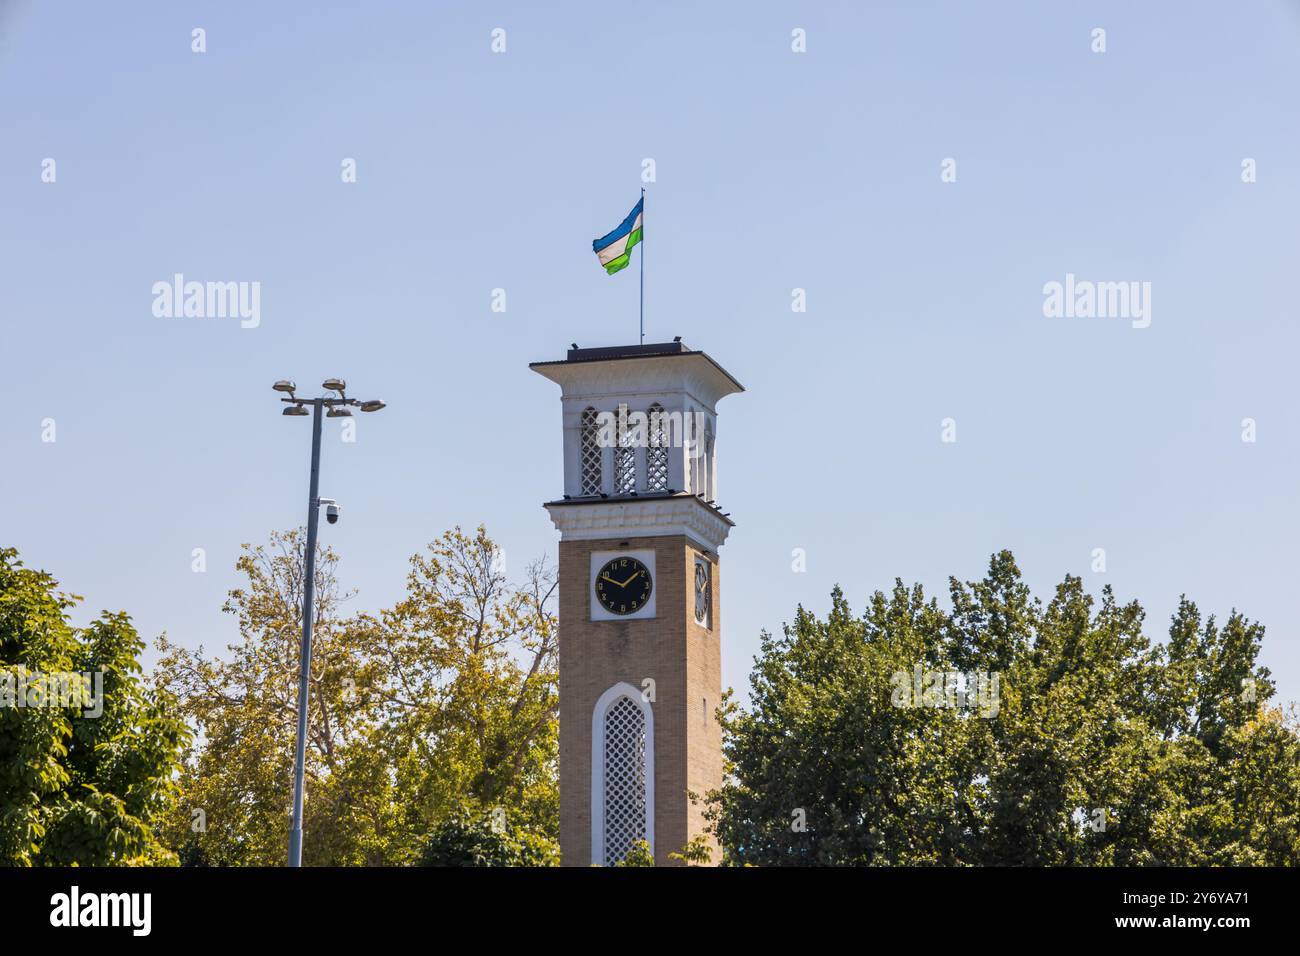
{"x": 613, "y": 586}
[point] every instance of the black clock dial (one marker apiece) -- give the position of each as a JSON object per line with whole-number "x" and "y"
{"x": 701, "y": 592}
{"x": 623, "y": 585}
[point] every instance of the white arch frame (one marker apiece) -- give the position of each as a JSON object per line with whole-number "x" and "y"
{"x": 607, "y": 699}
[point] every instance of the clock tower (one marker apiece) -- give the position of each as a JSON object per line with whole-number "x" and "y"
{"x": 640, "y": 622}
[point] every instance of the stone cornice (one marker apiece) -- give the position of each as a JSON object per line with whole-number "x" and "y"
{"x": 687, "y": 515}
{"x": 693, "y": 372}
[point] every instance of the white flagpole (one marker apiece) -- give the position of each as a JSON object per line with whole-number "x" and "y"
{"x": 643, "y": 265}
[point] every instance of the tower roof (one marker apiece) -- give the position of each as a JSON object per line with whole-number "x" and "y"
{"x": 660, "y": 352}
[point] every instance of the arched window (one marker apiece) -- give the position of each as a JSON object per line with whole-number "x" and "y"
{"x": 622, "y": 774}
{"x": 590, "y": 453}
{"x": 624, "y": 458}
{"x": 656, "y": 467}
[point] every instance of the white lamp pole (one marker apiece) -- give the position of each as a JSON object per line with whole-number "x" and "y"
{"x": 297, "y": 407}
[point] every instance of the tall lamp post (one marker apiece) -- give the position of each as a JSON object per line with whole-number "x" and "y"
{"x": 335, "y": 408}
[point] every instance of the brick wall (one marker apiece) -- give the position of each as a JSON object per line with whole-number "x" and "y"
{"x": 682, "y": 658}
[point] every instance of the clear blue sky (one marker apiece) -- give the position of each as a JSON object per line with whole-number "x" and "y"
{"x": 775, "y": 171}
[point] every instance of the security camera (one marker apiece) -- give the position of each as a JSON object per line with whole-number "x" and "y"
{"x": 332, "y": 514}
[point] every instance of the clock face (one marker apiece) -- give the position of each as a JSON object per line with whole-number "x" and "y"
{"x": 623, "y": 585}
{"x": 702, "y": 593}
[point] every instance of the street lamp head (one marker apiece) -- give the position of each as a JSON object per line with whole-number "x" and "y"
{"x": 373, "y": 405}
{"x": 334, "y": 384}
{"x": 294, "y": 410}
{"x": 284, "y": 385}
{"x": 338, "y": 413}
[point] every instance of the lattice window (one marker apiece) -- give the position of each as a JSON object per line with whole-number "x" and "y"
{"x": 625, "y": 778}
{"x": 624, "y": 460}
{"x": 590, "y": 453}
{"x": 656, "y": 467}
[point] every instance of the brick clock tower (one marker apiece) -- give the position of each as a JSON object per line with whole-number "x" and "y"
{"x": 640, "y": 617}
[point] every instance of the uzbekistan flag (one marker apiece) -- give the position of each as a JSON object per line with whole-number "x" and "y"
{"x": 614, "y": 249}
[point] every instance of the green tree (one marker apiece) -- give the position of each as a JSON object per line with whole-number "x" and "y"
{"x": 472, "y": 702}
{"x": 442, "y": 708}
{"x": 237, "y": 783}
{"x": 638, "y": 855}
{"x": 1099, "y": 747}
{"x": 460, "y": 841}
{"x": 85, "y": 784}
